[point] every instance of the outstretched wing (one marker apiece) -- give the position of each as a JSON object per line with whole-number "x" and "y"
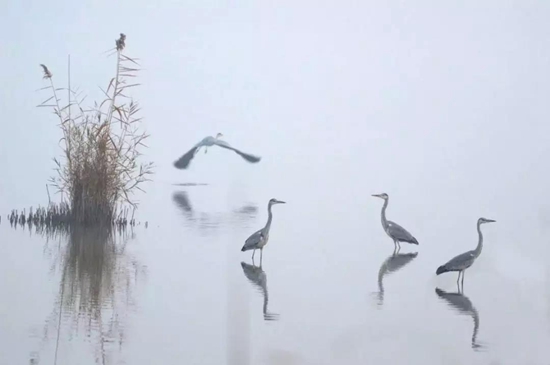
{"x": 246, "y": 156}
{"x": 252, "y": 241}
{"x": 183, "y": 161}
{"x": 399, "y": 233}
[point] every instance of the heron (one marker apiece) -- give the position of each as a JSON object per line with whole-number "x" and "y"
{"x": 392, "y": 229}
{"x": 259, "y": 239}
{"x": 184, "y": 161}
{"x": 463, "y": 261}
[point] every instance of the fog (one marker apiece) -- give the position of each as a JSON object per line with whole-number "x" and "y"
{"x": 444, "y": 106}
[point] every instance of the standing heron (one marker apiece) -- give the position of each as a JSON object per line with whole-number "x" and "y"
{"x": 465, "y": 260}
{"x": 259, "y": 238}
{"x": 184, "y": 161}
{"x": 394, "y": 230}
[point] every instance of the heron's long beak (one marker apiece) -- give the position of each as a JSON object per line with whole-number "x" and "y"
{"x": 376, "y": 195}
{"x": 490, "y": 220}
{"x": 280, "y": 202}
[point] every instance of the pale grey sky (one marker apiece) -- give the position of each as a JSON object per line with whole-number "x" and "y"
{"x": 439, "y": 93}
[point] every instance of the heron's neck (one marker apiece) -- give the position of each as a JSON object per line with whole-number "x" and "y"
{"x": 269, "y": 217}
{"x": 384, "y": 220}
{"x": 480, "y": 242}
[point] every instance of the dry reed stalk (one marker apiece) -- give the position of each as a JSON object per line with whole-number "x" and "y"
{"x": 100, "y": 168}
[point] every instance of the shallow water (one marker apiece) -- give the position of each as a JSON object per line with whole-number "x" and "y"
{"x": 330, "y": 289}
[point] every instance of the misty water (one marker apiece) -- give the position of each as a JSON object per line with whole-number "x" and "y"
{"x": 330, "y": 289}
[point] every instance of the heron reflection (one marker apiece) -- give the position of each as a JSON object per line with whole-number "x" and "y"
{"x": 256, "y": 275}
{"x": 393, "y": 263}
{"x": 181, "y": 198}
{"x": 463, "y": 305}
{"x": 204, "y": 220}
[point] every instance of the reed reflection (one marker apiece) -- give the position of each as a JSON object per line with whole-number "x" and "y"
{"x": 393, "y": 263}
{"x": 207, "y": 221}
{"x": 256, "y": 275}
{"x": 96, "y": 290}
{"x": 462, "y": 305}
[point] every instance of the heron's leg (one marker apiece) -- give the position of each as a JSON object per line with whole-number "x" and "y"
{"x": 253, "y": 252}
{"x": 458, "y": 279}
{"x": 205, "y": 149}
{"x": 463, "y": 279}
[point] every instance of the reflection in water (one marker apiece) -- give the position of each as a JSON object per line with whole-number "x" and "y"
{"x": 95, "y": 291}
{"x": 247, "y": 209}
{"x": 182, "y": 201}
{"x": 207, "y": 221}
{"x": 190, "y": 184}
{"x": 393, "y": 263}
{"x": 258, "y": 278}
{"x": 461, "y": 303}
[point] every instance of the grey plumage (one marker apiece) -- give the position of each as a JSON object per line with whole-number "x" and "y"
{"x": 400, "y": 234}
{"x": 458, "y": 263}
{"x": 255, "y": 239}
{"x": 393, "y": 230}
{"x": 465, "y": 260}
{"x": 184, "y": 161}
{"x": 260, "y": 238}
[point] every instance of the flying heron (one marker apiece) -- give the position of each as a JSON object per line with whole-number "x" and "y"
{"x": 259, "y": 238}
{"x": 465, "y": 260}
{"x": 394, "y": 230}
{"x": 184, "y": 161}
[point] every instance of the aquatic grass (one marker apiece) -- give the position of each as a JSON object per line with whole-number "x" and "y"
{"x": 57, "y": 219}
{"x": 100, "y": 167}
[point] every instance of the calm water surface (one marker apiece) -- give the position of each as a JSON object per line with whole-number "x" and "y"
{"x": 330, "y": 289}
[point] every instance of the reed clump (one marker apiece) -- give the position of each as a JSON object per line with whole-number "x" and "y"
{"x": 100, "y": 168}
